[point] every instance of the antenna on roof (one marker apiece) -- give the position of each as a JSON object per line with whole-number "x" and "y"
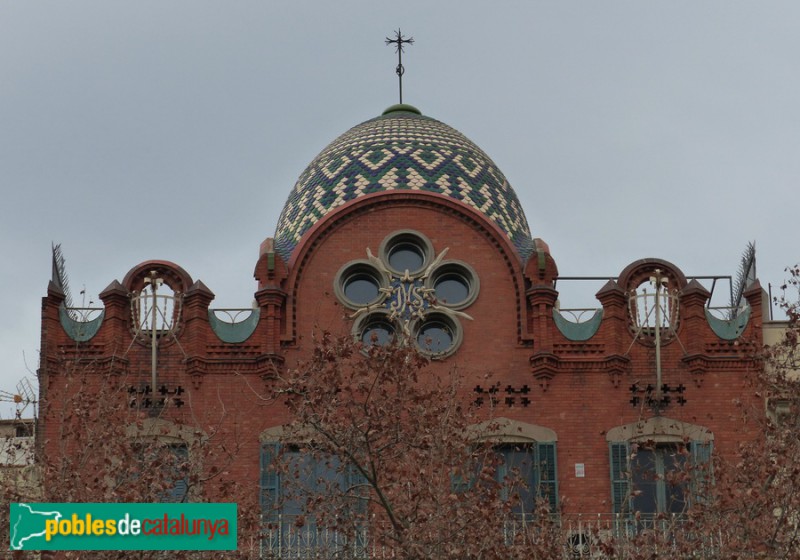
{"x": 22, "y": 398}
{"x": 399, "y": 41}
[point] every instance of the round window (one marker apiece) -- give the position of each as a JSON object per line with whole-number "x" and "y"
{"x": 377, "y": 331}
{"x": 406, "y": 256}
{"x": 451, "y": 289}
{"x": 406, "y": 251}
{"x": 361, "y": 288}
{"x": 435, "y": 337}
{"x": 438, "y": 335}
{"x": 454, "y": 284}
{"x": 359, "y": 284}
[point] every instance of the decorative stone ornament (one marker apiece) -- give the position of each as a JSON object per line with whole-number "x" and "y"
{"x": 408, "y": 292}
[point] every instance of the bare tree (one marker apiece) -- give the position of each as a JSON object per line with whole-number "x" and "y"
{"x": 756, "y": 499}
{"x": 98, "y": 447}
{"x": 382, "y": 454}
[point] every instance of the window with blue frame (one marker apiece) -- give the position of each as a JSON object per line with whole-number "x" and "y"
{"x": 294, "y": 483}
{"x": 527, "y": 472}
{"x": 178, "y": 471}
{"x": 647, "y": 477}
{"x": 303, "y": 477}
{"x": 171, "y": 462}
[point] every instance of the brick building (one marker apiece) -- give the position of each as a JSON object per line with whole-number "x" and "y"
{"x": 402, "y": 224}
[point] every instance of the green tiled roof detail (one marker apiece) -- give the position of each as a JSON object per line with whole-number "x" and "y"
{"x": 234, "y": 332}
{"x": 401, "y": 150}
{"x": 729, "y": 329}
{"x": 578, "y": 332}
{"x": 79, "y": 331}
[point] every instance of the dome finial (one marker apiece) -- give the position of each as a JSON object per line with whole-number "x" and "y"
{"x": 398, "y": 41}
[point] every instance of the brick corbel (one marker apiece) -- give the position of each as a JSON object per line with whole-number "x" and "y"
{"x": 617, "y": 366}
{"x": 196, "y": 368}
{"x": 697, "y": 366}
{"x": 544, "y": 366}
{"x": 269, "y": 367}
{"x": 118, "y": 366}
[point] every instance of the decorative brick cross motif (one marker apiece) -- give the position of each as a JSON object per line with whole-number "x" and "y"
{"x": 492, "y": 395}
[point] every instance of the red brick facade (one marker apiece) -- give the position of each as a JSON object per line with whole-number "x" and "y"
{"x": 580, "y": 389}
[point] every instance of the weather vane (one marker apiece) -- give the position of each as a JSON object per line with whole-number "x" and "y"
{"x": 399, "y": 41}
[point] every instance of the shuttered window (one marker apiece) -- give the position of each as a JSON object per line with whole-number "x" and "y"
{"x": 168, "y": 464}
{"x": 180, "y": 488}
{"x": 311, "y": 475}
{"x": 620, "y": 477}
{"x": 535, "y": 466}
{"x": 646, "y": 481}
{"x": 702, "y": 472}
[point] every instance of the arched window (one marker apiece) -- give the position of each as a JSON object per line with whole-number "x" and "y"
{"x": 527, "y": 466}
{"x": 162, "y": 449}
{"x": 302, "y": 475}
{"x": 294, "y": 475}
{"x": 648, "y": 460}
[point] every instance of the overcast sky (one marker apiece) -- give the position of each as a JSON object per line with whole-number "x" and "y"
{"x": 175, "y": 130}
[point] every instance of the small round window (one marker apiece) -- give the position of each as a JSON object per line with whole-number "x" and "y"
{"x": 406, "y": 256}
{"x": 361, "y": 288}
{"x": 451, "y": 289}
{"x": 375, "y": 328}
{"x": 437, "y": 335}
{"x": 454, "y": 284}
{"x": 377, "y": 332}
{"x": 359, "y": 284}
{"x": 406, "y": 251}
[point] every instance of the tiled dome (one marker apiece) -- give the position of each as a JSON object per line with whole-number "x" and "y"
{"x": 401, "y": 150}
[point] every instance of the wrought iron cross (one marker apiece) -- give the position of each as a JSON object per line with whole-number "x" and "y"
{"x": 399, "y": 41}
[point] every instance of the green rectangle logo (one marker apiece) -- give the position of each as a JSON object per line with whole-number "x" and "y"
{"x": 95, "y": 526}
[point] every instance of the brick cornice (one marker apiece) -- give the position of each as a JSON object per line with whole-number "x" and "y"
{"x": 545, "y": 366}
{"x": 266, "y": 366}
{"x": 700, "y": 364}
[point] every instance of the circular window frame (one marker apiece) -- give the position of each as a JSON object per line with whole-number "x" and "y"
{"x": 374, "y": 316}
{"x": 452, "y": 324}
{"x": 411, "y": 237}
{"x": 458, "y": 268}
{"x": 353, "y": 268}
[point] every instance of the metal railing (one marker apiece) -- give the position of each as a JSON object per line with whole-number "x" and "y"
{"x": 596, "y": 536}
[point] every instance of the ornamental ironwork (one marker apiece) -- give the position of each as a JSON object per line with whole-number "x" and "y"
{"x": 398, "y": 42}
{"x": 654, "y": 315}
{"x": 155, "y": 315}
